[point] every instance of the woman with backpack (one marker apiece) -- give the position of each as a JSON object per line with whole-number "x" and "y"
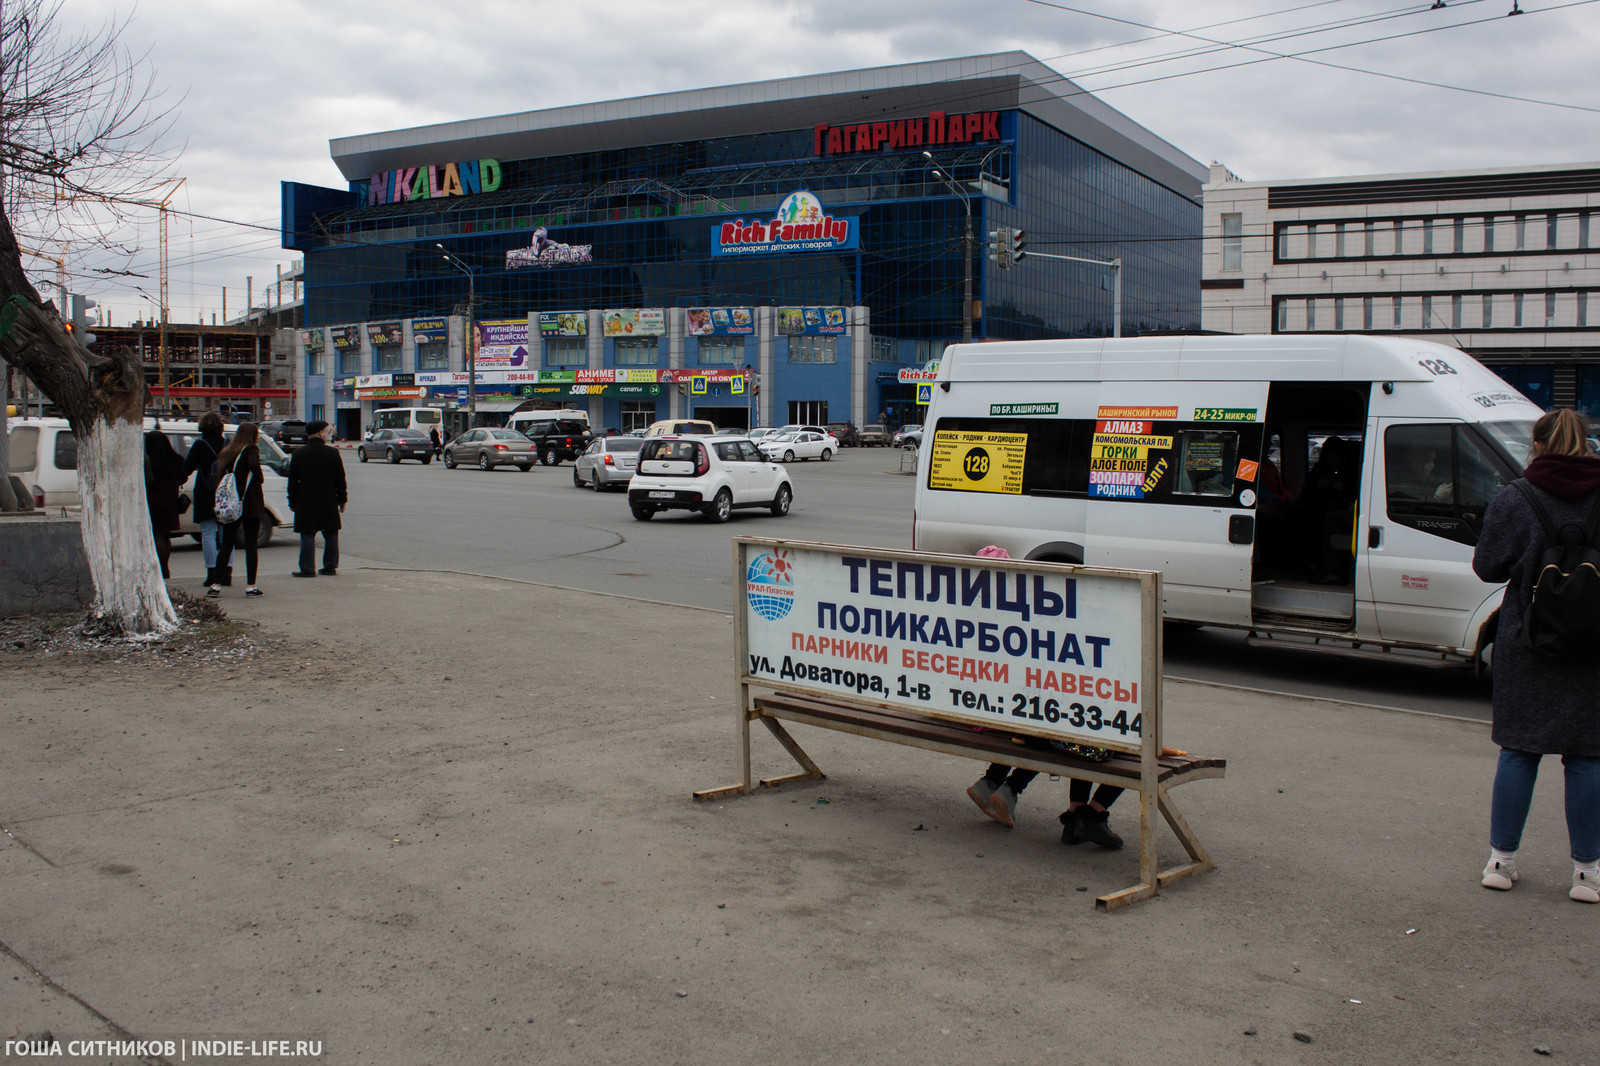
{"x": 241, "y": 458}
{"x": 1544, "y": 702}
{"x": 202, "y": 463}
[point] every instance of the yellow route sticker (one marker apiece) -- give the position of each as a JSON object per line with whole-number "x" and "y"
{"x": 977, "y": 462}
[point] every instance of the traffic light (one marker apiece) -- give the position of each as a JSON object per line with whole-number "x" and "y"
{"x": 1000, "y": 248}
{"x": 78, "y": 323}
{"x": 1016, "y": 246}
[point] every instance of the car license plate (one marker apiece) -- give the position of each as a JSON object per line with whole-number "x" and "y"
{"x": 662, "y": 495}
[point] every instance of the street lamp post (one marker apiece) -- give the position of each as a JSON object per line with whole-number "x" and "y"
{"x": 966, "y": 251}
{"x": 472, "y": 355}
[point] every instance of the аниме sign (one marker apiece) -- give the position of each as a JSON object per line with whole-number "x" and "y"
{"x": 1010, "y": 645}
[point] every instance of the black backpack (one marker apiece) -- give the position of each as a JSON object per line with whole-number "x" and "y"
{"x": 1562, "y": 618}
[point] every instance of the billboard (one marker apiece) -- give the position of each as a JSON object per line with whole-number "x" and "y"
{"x": 800, "y": 224}
{"x": 501, "y": 344}
{"x": 430, "y": 331}
{"x": 634, "y": 321}
{"x": 823, "y": 321}
{"x": 721, "y": 322}
{"x": 563, "y": 323}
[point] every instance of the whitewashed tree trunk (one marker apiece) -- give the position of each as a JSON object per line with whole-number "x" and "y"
{"x": 117, "y": 535}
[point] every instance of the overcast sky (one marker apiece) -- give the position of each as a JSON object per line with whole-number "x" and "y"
{"x": 265, "y": 85}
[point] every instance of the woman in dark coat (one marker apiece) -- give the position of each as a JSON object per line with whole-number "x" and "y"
{"x": 202, "y": 463}
{"x": 1542, "y": 705}
{"x": 163, "y": 477}
{"x": 242, "y": 458}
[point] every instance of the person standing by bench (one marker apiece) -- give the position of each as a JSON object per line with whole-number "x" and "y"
{"x": 1086, "y": 817}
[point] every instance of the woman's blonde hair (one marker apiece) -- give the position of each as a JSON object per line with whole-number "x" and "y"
{"x": 1563, "y": 431}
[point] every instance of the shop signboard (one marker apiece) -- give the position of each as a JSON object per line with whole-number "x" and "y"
{"x": 501, "y": 344}
{"x": 433, "y": 181}
{"x": 313, "y": 341}
{"x": 563, "y": 323}
{"x": 391, "y": 393}
{"x": 634, "y": 321}
{"x": 680, "y": 374}
{"x": 345, "y": 337}
{"x": 430, "y": 331}
{"x": 380, "y": 333}
{"x": 801, "y": 224}
{"x": 547, "y": 252}
{"x": 812, "y": 321}
{"x": 721, "y": 322}
{"x": 901, "y": 134}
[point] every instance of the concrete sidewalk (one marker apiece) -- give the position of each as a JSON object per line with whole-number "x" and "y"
{"x": 444, "y": 818}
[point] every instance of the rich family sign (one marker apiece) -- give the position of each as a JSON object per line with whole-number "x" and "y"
{"x": 801, "y": 224}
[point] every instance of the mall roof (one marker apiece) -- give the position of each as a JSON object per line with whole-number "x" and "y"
{"x": 999, "y": 82}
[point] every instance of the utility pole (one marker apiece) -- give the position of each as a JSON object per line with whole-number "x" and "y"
{"x": 466, "y": 332}
{"x": 966, "y": 251}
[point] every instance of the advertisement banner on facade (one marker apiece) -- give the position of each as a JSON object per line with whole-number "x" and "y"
{"x": 313, "y": 341}
{"x": 721, "y": 322}
{"x": 800, "y": 225}
{"x": 430, "y": 331}
{"x": 501, "y": 344}
{"x": 379, "y": 333}
{"x": 563, "y": 323}
{"x": 634, "y": 321}
{"x": 545, "y": 252}
{"x": 1024, "y": 649}
{"x": 345, "y": 337}
{"x": 823, "y": 321}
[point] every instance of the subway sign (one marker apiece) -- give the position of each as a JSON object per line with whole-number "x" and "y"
{"x": 434, "y": 181}
{"x": 801, "y": 224}
{"x": 937, "y": 128}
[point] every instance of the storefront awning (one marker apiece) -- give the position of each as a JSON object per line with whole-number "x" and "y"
{"x": 495, "y": 407}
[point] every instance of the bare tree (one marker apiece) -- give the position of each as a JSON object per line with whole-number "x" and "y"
{"x": 81, "y": 135}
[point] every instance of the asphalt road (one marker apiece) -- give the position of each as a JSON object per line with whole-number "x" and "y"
{"x": 536, "y": 526}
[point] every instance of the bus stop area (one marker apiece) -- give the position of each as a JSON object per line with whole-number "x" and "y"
{"x": 471, "y": 838}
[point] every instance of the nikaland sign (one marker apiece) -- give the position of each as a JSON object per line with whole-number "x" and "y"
{"x": 799, "y": 225}
{"x": 434, "y": 181}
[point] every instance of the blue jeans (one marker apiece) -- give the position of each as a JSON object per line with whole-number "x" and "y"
{"x": 208, "y": 540}
{"x": 1513, "y": 795}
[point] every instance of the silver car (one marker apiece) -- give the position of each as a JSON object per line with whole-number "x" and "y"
{"x": 488, "y": 447}
{"x": 608, "y": 462}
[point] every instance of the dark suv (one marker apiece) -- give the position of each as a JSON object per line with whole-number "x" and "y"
{"x": 288, "y": 434}
{"x": 558, "y": 439}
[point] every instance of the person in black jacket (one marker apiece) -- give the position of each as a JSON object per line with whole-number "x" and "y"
{"x": 241, "y": 458}
{"x": 1542, "y": 706}
{"x": 162, "y": 481}
{"x": 317, "y": 495}
{"x": 203, "y": 454}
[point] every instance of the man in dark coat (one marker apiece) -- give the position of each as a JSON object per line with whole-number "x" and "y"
{"x": 317, "y": 495}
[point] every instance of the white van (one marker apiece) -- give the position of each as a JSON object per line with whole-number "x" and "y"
{"x": 420, "y": 418}
{"x": 1330, "y": 487}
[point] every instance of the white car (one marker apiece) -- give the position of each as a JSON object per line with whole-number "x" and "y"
{"x": 799, "y": 444}
{"x": 712, "y": 475}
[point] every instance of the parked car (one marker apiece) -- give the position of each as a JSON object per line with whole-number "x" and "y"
{"x": 712, "y": 475}
{"x": 761, "y": 431}
{"x": 608, "y": 461}
{"x": 845, "y": 433}
{"x": 801, "y": 444}
{"x": 396, "y": 445}
{"x": 555, "y": 439}
{"x": 874, "y": 435}
{"x": 488, "y": 447}
{"x": 674, "y": 426}
{"x": 288, "y": 434}
{"x": 908, "y": 437}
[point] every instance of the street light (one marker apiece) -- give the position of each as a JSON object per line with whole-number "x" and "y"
{"x": 466, "y": 333}
{"x": 966, "y": 250}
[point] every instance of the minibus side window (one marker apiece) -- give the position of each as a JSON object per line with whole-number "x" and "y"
{"x": 1207, "y": 459}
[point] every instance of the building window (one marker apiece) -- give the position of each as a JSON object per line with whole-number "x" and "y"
{"x": 1366, "y": 312}
{"x": 1427, "y": 312}
{"x": 1549, "y": 309}
{"x": 1311, "y": 241}
{"x": 1338, "y": 312}
{"x": 1455, "y": 310}
{"x": 1583, "y": 229}
{"x": 1283, "y": 243}
{"x": 808, "y": 412}
{"x": 1398, "y": 303}
{"x": 1338, "y": 240}
{"x": 1461, "y": 236}
{"x": 721, "y": 351}
{"x": 350, "y": 361}
{"x": 1488, "y": 310}
{"x": 1233, "y": 242}
{"x": 566, "y": 351}
{"x": 639, "y": 351}
{"x": 386, "y": 358}
{"x": 1550, "y": 224}
{"x": 813, "y": 350}
{"x": 313, "y": 362}
{"x": 1399, "y": 238}
{"x": 1283, "y": 316}
{"x": 318, "y": 413}
{"x": 1488, "y": 233}
{"x": 1311, "y": 313}
{"x": 637, "y": 414}
{"x": 1583, "y": 309}
{"x": 433, "y": 357}
{"x": 1516, "y": 309}
{"x": 882, "y": 350}
{"x": 1370, "y": 240}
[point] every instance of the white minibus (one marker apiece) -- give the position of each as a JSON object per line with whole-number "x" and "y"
{"x": 1327, "y": 487}
{"x": 419, "y": 418}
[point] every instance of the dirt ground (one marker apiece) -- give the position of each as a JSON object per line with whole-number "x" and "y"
{"x": 427, "y": 817}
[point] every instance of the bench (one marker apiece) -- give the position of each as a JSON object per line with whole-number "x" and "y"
{"x": 903, "y": 727}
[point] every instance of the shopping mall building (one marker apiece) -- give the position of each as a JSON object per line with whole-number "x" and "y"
{"x": 754, "y": 254}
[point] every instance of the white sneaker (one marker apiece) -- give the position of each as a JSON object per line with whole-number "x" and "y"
{"x": 1585, "y": 887}
{"x": 1003, "y": 806}
{"x": 1500, "y": 876}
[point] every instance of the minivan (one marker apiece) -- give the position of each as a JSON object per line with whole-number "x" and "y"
{"x": 1325, "y": 487}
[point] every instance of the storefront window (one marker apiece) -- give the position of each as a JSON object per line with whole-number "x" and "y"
{"x": 721, "y": 351}
{"x": 386, "y": 358}
{"x": 566, "y": 351}
{"x": 636, "y": 351}
{"x": 433, "y": 357}
{"x": 813, "y": 350}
